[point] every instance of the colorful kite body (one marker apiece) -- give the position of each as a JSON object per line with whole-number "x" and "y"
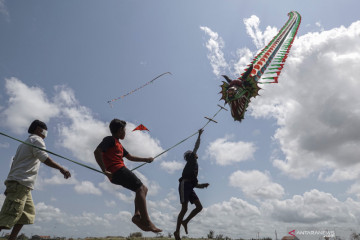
{"x": 238, "y": 93}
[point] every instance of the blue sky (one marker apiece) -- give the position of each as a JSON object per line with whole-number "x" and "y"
{"x": 292, "y": 163}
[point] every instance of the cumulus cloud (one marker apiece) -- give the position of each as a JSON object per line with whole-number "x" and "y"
{"x": 172, "y": 166}
{"x": 256, "y": 185}
{"x": 315, "y": 103}
{"x": 318, "y": 122}
{"x": 153, "y": 186}
{"x": 216, "y": 56}
{"x": 79, "y": 131}
{"x": 222, "y": 216}
{"x": 117, "y": 191}
{"x": 87, "y": 187}
{"x": 225, "y": 152}
{"x": 25, "y": 105}
{"x": 4, "y": 145}
{"x": 56, "y": 179}
{"x": 141, "y": 144}
{"x": 4, "y": 11}
{"x": 83, "y": 224}
{"x": 260, "y": 39}
{"x": 313, "y": 207}
{"x": 110, "y": 203}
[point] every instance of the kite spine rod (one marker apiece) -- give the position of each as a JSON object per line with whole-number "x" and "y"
{"x": 221, "y": 108}
{"x": 55, "y": 154}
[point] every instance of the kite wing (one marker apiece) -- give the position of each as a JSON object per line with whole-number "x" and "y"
{"x": 141, "y": 128}
{"x": 237, "y": 93}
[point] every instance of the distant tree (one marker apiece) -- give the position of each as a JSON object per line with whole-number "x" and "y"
{"x": 210, "y": 234}
{"x": 22, "y": 237}
{"x": 159, "y": 235}
{"x": 355, "y": 236}
{"x": 169, "y": 235}
{"x": 135, "y": 235}
{"x": 219, "y": 237}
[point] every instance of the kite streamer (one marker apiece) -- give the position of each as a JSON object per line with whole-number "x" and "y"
{"x": 237, "y": 93}
{"x": 151, "y": 81}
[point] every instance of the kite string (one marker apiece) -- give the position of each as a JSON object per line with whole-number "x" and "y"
{"x": 179, "y": 142}
{"x": 55, "y": 154}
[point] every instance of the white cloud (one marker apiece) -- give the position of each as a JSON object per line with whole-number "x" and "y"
{"x": 140, "y": 143}
{"x": 79, "y": 131}
{"x": 110, "y": 203}
{"x": 82, "y": 135}
{"x": 58, "y": 179}
{"x": 4, "y": 145}
{"x": 259, "y": 38}
{"x": 244, "y": 58}
{"x": 87, "y": 187}
{"x": 25, "y": 105}
{"x": 315, "y": 103}
{"x": 317, "y": 107}
{"x": 341, "y": 174}
{"x": 215, "y": 45}
{"x": 225, "y": 152}
{"x": 172, "y": 166}
{"x": 313, "y": 207}
{"x": 256, "y": 185}
{"x": 83, "y": 187}
{"x": 4, "y": 11}
{"x": 221, "y": 217}
{"x": 117, "y": 191}
{"x": 153, "y": 186}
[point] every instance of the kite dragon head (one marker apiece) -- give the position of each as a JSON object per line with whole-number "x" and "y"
{"x": 237, "y": 93}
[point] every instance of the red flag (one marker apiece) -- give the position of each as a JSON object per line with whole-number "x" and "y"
{"x": 141, "y": 128}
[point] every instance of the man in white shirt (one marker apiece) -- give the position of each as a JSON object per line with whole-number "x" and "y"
{"x": 18, "y": 208}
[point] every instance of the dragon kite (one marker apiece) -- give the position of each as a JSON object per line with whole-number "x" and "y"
{"x": 237, "y": 93}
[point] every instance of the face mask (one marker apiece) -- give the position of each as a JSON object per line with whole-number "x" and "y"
{"x": 44, "y": 132}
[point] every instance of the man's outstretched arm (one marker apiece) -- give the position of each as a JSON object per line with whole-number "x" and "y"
{"x": 197, "y": 144}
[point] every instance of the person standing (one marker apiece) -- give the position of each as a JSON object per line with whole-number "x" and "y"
{"x": 18, "y": 208}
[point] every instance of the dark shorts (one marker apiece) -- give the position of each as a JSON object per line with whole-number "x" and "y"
{"x": 186, "y": 192}
{"x": 127, "y": 179}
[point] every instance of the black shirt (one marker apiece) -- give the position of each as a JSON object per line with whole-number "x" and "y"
{"x": 190, "y": 171}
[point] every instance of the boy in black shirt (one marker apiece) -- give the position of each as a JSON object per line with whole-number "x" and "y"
{"x": 187, "y": 183}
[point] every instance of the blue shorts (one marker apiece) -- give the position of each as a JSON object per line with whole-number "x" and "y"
{"x": 186, "y": 192}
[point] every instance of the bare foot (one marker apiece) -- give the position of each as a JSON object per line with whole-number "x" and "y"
{"x": 185, "y": 226}
{"x": 150, "y": 226}
{"x": 137, "y": 221}
{"x": 177, "y": 235}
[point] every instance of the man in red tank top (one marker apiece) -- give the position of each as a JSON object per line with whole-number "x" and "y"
{"x": 109, "y": 155}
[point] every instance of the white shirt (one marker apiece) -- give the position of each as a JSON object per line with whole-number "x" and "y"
{"x": 26, "y": 163}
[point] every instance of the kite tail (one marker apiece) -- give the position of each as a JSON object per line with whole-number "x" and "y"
{"x": 152, "y": 80}
{"x": 277, "y": 51}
